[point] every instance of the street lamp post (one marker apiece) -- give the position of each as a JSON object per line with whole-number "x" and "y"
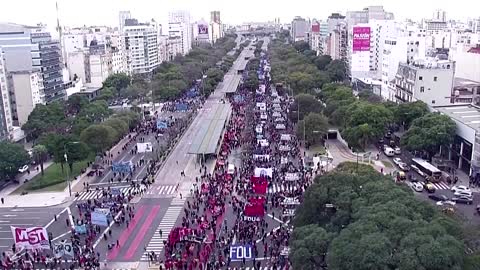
{"x": 66, "y": 161}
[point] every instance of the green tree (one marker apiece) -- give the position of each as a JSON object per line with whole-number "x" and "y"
{"x": 309, "y": 247}
{"x": 301, "y": 46}
{"x": 252, "y": 81}
{"x": 40, "y": 155}
{"x": 117, "y": 81}
{"x": 301, "y": 82}
{"x": 405, "y": 113}
{"x": 95, "y": 111}
{"x": 119, "y": 125}
{"x": 76, "y": 152}
{"x": 105, "y": 94}
{"x": 322, "y": 61}
{"x": 337, "y": 69}
{"x": 429, "y": 132}
{"x": 75, "y": 103}
{"x": 12, "y": 157}
{"x": 316, "y": 126}
{"x": 307, "y": 104}
{"x": 358, "y": 137}
{"x": 376, "y": 116}
{"x": 98, "y": 137}
{"x": 46, "y": 118}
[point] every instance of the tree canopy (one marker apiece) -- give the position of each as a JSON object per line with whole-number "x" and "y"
{"x": 12, "y": 157}
{"x": 429, "y": 132}
{"x": 357, "y": 219}
{"x": 316, "y": 126}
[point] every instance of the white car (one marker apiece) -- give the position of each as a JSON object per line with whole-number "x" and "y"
{"x": 397, "y": 150}
{"x": 441, "y": 203}
{"x": 461, "y": 193}
{"x": 23, "y": 169}
{"x": 461, "y": 188}
{"x": 417, "y": 186}
{"x": 397, "y": 160}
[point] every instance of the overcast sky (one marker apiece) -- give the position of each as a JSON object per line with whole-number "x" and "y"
{"x": 105, "y": 12}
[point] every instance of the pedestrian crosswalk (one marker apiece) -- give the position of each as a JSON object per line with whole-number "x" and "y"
{"x": 281, "y": 187}
{"x": 441, "y": 185}
{"x": 96, "y": 194}
{"x": 162, "y": 190}
{"x": 166, "y": 225}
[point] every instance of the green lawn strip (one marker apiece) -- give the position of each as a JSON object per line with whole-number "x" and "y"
{"x": 53, "y": 179}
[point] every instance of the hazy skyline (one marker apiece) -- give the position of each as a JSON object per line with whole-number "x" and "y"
{"x": 105, "y": 12}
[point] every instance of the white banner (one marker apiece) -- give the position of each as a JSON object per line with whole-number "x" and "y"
{"x": 144, "y": 147}
{"x": 263, "y": 142}
{"x": 258, "y": 129}
{"x": 279, "y": 126}
{"x": 285, "y": 137}
{"x": 284, "y": 160}
{"x": 267, "y": 157}
{"x": 263, "y": 172}
{"x": 284, "y": 147}
{"x": 30, "y": 238}
{"x": 291, "y": 176}
{"x": 276, "y": 114}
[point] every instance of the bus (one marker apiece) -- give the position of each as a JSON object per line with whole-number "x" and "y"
{"x": 426, "y": 169}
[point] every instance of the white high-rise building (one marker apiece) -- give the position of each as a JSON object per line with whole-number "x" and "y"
{"x": 216, "y": 26}
{"x": 141, "y": 46}
{"x": 6, "y": 121}
{"x": 122, "y": 16}
{"x": 179, "y": 26}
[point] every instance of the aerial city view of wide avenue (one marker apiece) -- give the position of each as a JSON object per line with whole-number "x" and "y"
{"x": 216, "y": 135}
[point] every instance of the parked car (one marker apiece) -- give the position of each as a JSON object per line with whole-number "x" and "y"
{"x": 441, "y": 203}
{"x": 438, "y": 198}
{"x": 397, "y": 161}
{"x": 404, "y": 166}
{"x": 461, "y": 193}
{"x": 23, "y": 169}
{"x": 463, "y": 199}
{"x": 398, "y": 151}
{"x": 418, "y": 187}
{"x": 461, "y": 188}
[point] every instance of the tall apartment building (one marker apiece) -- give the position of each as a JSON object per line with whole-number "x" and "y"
{"x": 300, "y": 27}
{"x": 32, "y": 49}
{"x": 6, "y": 121}
{"x": 141, "y": 46}
{"x": 122, "y": 17}
{"x": 27, "y": 91}
{"x": 216, "y": 26}
{"x": 429, "y": 80}
{"x": 179, "y": 26}
{"x": 315, "y": 39}
{"x": 336, "y": 43}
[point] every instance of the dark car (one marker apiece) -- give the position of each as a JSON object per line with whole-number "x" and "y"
{"x": 463, "y": 199}
{"x": 438, "y": 198}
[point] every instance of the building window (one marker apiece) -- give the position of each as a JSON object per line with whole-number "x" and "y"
{"x": 422, "y": 89}
{"x": 433, "y": 101}
{"x": 420, "y": 78}
{"x": 434, "y": 79}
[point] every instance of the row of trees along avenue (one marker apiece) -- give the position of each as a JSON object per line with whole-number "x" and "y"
{"x": 354, "y": 218}
{"x": 176, "y": 76}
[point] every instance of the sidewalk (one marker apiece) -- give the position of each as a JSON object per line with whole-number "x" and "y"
{"x": 43, "y": 199}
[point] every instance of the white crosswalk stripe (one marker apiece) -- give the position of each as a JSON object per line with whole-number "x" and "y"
{"x": 441, "y": 185}
{"x": 96, "y": 194}
{"x": 166, "y": 225}
{"x": 281, "y": 187}
{"x": 162, "y": 190}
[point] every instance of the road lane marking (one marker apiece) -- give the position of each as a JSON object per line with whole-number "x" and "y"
{"x": 141, "y": 233}
{"x": 53, "y": 219}
{"x": 60, "y": 236}
{"x": 125, "y": 234}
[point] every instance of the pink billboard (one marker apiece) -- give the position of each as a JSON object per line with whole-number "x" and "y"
{"x": 361, "y": 39}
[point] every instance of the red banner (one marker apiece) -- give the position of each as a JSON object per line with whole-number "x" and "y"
{"x": 259, "y": 185}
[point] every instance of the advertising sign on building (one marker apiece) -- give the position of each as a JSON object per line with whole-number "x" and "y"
{"x": 203, "y": 29}
{"x": 30, "y": 238}
{"x": 361, "y": 39}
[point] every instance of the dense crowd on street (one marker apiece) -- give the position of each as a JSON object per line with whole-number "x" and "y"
{"x": 270, "y": 156}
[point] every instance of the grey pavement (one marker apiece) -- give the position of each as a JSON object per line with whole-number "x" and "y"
{"x": 22, "y": 217}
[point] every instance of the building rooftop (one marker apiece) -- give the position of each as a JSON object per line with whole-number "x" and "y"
{"x": 466, "y": 114}
{"x": 464, "y": 83}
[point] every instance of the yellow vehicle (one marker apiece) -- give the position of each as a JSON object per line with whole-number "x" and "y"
{"x": 401, "y": 176}
{"x": 429, "y": 187}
